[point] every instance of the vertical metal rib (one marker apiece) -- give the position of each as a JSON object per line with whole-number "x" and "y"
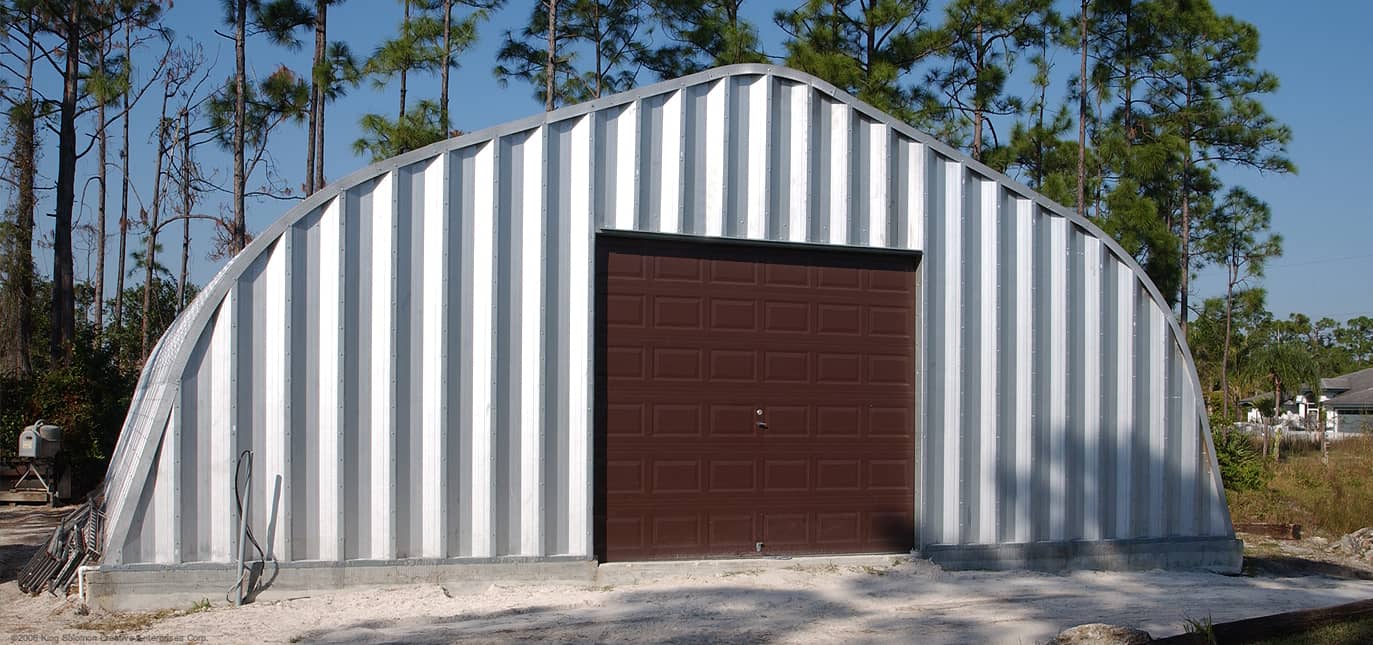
{"x": 434, "y": 361}
{"x": 1057, "y": 373}
{"x": 331, "y": 380}
{"x": 1124, "y": 349}
{"x": 988, "y": 396}
{"x": 1092, "y": 482}
{"x": 531, "y": 345}
{"x": 952, "y": 306}
{"x": 670, "y": 204}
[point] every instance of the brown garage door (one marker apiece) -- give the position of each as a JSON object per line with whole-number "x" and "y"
{"x": 753, "y": 400}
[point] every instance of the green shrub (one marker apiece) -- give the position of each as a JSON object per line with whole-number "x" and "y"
{"x": 1241, "y": 464}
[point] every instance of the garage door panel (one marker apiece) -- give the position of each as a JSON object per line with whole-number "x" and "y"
{"x": 625, "y": 310}
{"x": 733, "y": 476}
{"x": 733, "y": 314}
{"x": 786, "y": 475}
{"x": 677, "y": 420}
{"x": 839, "y": 528}
{"x": 731, "y": 532}
{"x": 843, "y": 475}
{"x": 677, "y": 530}
{"x": 781, "y": 530}
{"x": 784, "y": 317}
{"x": 734, "y": 365}
{"x": 676, "y": 269}
{"x": 676, "y": 476}
{"x": 754, "y": 397}
{"x": 786, "y": 275}
{"x": 678, "y": 312}
{"x": 733, "y": 272}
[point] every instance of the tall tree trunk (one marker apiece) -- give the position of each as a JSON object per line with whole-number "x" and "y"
{"x": 319, "y": 147}
{"x": 63, "y": 279}
{"x": 977, "y": 103}
{"x": 239, "y": 236}
{"x": 1186, "y": 223}
{"x": 150, "y": 251}
{"x": 186, "y": 205}
{"x": 19, "y": 256}
{"x": 316, "y": 99}
{"x": 596, "y": 45}
{"x": 550, "y": 66}
{"x": 1129, "y": 76}
{"x": 123, "y": 202}
{"x": 443, "y": 70}
{"x": 1082, "y": 119}
{"x": 1277, "y": 414}
{"x": 101, "y": 178}
{"x": 405, "y": 29}
{"x": 1225, "y": 355}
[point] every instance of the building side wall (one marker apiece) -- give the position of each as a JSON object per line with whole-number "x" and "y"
{"x": 409, "y": 356}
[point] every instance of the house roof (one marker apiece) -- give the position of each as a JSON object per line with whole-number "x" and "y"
{"x": 1357, "y": 389}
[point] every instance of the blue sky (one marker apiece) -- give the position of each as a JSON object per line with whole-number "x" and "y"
{"x": 1320, "y": 56}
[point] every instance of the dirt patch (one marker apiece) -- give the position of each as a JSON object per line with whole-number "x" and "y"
{"x": 792, "y": 603}
{"x": 22, "y": 530}
{"x": 1311, "y": 556}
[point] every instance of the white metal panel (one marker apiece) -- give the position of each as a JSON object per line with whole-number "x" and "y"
{"x": 1092, "y": 483}
{"x": 382, "y": 424}
{"x": 756, "y": 184}
{"x": 434, "y": 362}
{"x": 670, "y": 206}
{"x": 1124, "y": 351}
{"x": 1024, "y": 368}
{"x": 1057, "y": 375}
{"x": 798, "y": 179}
{"x": 627, "y": 167}
{"x": 716, "y": 179}
{"x": 531, "y": 346}
{"x": 275, "y": 458}
{"x": 878, "y": 204}
{"x": 987, "y": 421}
{"x": 953, "y": 354}
{"x": 579, "y": 332}
{"x": 841, "y": 118}
{"x": 331, "y": 386}
{"x": 483, "y": 373}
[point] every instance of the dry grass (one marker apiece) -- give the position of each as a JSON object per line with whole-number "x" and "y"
{"x": 1329, "y": 500}
{"x": 1350, "y": 632}
{"x": 119, "y": 622}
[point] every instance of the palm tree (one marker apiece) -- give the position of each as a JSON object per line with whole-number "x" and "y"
{"x": 1281, "y": 363}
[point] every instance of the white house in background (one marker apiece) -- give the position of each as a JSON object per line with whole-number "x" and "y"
{"x": 1347, "y": 399}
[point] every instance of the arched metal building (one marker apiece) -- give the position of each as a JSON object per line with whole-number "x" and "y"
{"x": 738, "y": 312}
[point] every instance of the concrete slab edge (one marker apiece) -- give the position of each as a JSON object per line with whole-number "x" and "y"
{"x": 1211, "y": 554}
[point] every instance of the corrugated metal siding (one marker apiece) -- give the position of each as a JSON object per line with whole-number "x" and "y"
{"x": 408, "y": 353}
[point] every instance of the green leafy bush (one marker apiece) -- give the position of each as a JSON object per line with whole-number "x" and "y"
{"x": 1241, "y": 464}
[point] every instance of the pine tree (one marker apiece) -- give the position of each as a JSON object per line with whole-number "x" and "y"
{"x": 700, "y": 34}
{"x": 1204, "y": 93}
{"x": 1038, "y": 150}
{"x": 575, "y": 50}
{"x": 430, "y": 41}
{"x": 277, "y": 20}
{"x": 982, "y": 39}
{"x": 1237, "y": 237}
{"x": 16, "y": 309}
{"x": 868, "y": 49}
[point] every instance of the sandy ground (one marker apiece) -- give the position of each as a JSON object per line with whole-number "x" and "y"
{"x": 764, "y": 601}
